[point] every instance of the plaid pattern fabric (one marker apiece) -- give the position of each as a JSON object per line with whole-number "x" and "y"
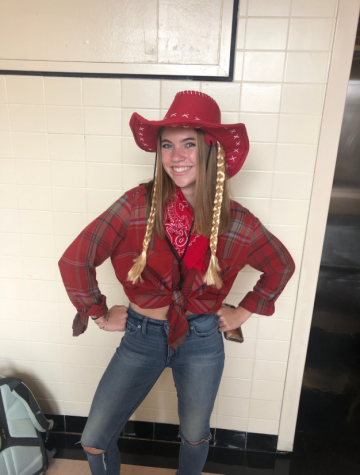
{"x": 118, "y": 233}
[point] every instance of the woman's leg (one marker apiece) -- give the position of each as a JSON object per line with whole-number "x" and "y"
{"x": 132, "y": 372}
{"x": 197, "y": 372}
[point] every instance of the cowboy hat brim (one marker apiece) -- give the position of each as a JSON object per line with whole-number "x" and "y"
{"x": 232, "y": 137}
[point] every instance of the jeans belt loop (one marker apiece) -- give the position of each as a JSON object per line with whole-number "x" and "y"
{"x": 143, "y": 329}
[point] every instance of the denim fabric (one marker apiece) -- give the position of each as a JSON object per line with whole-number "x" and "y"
{"x": 138, "y": 362}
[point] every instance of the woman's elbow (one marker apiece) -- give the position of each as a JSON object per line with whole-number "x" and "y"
{"x": 290, "y": 267}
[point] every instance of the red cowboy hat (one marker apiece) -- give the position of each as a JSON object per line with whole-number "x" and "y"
{"x": 196, "y": 110}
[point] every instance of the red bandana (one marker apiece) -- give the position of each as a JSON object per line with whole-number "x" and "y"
{"x": 178, "y": 219}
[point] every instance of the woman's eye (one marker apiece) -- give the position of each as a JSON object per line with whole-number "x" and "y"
{"x": 166, "y": 145}
{"x": 191, "y": 144}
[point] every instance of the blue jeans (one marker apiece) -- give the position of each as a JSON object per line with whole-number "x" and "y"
{"x": 137, "y": 363}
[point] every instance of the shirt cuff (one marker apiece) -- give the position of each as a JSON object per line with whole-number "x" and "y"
{"x": 78, "y": 326}
{"x": 97, "y": 310}
{"x": 256, "y": 304}
{"x": 81, "y": 319}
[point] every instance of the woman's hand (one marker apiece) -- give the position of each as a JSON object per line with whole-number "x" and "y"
{"x": 117, "y": 319}
{"x": 231, "y": 318}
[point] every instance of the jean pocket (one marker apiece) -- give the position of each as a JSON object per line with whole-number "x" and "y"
{"x": 132, "y": 327}
{"x": 205, "y": 326}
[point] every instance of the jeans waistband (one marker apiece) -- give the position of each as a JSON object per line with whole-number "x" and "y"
{"x": 154, "y": 321}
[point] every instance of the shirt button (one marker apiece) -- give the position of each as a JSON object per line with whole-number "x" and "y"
{"x": 191, "y": 328}
{"x": 139, "y": 326}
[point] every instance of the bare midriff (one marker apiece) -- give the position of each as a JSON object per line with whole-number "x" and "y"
{"x": 156, "y": 313}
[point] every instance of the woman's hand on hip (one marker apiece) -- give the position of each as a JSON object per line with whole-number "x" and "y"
{"x": 117, "y": 319}
{"x": 231, "y": 318}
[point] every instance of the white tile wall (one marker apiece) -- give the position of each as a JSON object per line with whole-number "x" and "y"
{"x": 71, "y": 174}
{"x": 264, "y": 426}
{"x": 26, "y": 118}
{"x": 306, "y": 67}
{"x": 69, "y": 199}
{"x": 102, "y": 121}
{"x": 265, "y": 8}
{"x": 266, "y": 33}
{"x": 11, "y": 266}
{"x": 103, "y": 149}
{"x": 25, "y": 90}
{"x": 3, "y": 95}
{"x": 65, "y": 120}
{"x": 264, "y": 66}
{"x": 97, "y": 176}
{"x": 261, "y": 157}
{"x": 69, "y": 224}
{"x": 5, "y": 144}
{"x": 34, "y": 222}
{"x": 4, "y": 118}
{"x": 260, "y": 97}
{"x": 8, "y": 196}
{"x": 66, "y": 147}
{"x": 7, "y": 171}
{"x": 311, "y": 34}
{"x": 10, "y": 244}
{"x": 140, "y": 93}
{"x": 227, "y": 97}
{"x": 66, "y": 154}
{"x": 30, "y": 146}
{"x": 320, "y": 8}
{"x": 238, "y": 68}
{"x": 260, "y": 127}
{"x": 302, "y": 99}
{"x": 99, "y": 200}
{"x": 63, "y": 91}
{"x": 301, "y": 129}
{"x": 101, "y": 92}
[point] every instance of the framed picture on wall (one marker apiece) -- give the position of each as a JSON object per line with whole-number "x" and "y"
{"x": 130, "y": 38}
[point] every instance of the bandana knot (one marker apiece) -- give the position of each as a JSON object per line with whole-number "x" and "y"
{"x": 177, "y": 223}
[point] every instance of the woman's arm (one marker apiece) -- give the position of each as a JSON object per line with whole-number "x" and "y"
{"x": 231, "y": 318}
{"x": 90, "y": 249}
{"x": 267, "y": 254}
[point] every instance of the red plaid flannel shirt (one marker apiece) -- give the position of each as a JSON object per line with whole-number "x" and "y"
{"x": 118, "y": 233}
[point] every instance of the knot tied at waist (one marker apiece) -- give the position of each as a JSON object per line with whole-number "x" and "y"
{"x": 178, "y": 324}
{"x": 179, "y": 300}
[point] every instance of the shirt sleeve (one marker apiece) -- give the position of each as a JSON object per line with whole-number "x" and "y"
{"x": 90, "y": 249}
{"x": 267, "y": 254}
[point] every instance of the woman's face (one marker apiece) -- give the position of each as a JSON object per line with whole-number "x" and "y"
{"x": 178, "y": 153}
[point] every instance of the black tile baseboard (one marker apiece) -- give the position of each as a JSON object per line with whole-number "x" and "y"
{"x": 160, "y": 454}
{"x": 166, "y": 432}
{"x": 139, "y": 430}
{"x": 231, "y": 439}
{"x": 59, "y": 422}
{"x": 155, "y": 431}
{"x": 314, "y": 453}
{"x": 75, "y": 424}
{"x": 261, "y": 442}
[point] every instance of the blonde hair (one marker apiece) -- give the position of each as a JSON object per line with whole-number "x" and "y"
{"x": 212, "y": 210}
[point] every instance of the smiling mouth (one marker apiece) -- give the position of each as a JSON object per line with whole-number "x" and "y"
{"x": 181, "y": 169}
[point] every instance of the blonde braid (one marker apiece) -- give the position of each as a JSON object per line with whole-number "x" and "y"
{"x": 134, "y": 273}
{"x": 212, "y": 277}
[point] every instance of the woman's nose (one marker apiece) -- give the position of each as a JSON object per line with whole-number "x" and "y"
{"x": 178, "y": 154}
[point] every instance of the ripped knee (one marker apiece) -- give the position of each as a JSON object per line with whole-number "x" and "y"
{"x": 92, "y": 451}
{"x": 196, "y": 443}
{"x": 205, "y": 439}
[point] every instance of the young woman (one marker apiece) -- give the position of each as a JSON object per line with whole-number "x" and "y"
{"x": 176, "y": 245}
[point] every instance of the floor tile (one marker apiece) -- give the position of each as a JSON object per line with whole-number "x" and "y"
{"x": 67, "y": 467}
{"x": 77, "y": 467}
